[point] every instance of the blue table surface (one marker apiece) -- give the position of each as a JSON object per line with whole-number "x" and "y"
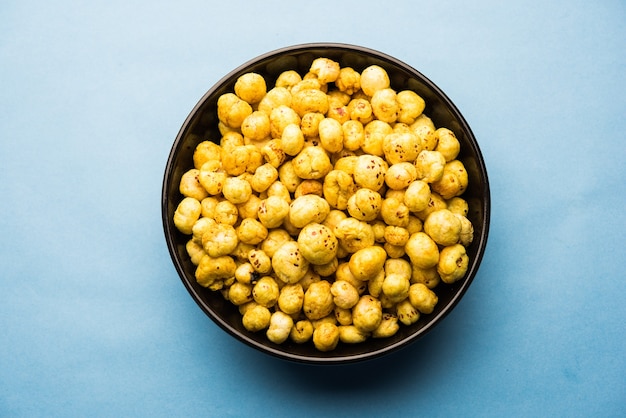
{"x": 94, "y": 319}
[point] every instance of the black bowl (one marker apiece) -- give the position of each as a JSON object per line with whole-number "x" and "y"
{"x": 202, "y": 123}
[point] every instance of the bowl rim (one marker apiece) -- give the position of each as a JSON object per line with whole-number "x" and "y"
{"x": 330, "y": 359}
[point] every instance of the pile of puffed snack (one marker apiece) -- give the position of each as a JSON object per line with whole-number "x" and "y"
{"x": 330, "y": 208}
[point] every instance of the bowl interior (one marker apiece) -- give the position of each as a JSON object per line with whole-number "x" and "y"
{"x": 201, "y": 125}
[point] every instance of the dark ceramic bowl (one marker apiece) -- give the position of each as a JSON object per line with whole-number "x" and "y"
{"x": 202, "y": 123}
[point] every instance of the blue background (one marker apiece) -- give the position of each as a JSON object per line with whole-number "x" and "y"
{"x": 94, "y": 320}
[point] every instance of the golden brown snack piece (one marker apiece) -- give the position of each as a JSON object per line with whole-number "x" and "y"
{"x": 318, "y": 244}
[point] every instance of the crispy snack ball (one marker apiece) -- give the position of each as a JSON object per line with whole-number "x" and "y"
{"x": 453, "y": 263}
{"x": 280, "y": 117}
{"x": 360, "y": 110}
{"x": 394, "y": 212}
{"x": 453, "y": 181}
{"x": 245, "y": 274}
{"x": 312, "y": 163}
{"x": 256, "y": 318}
{"x": 401, "y": 147}
{"x": 212, "y": 269}
{"x": 306, "y": 209}
{"x": 273, "y": 152}
{"x": 429, "y": 165}
{"x": 338, "y": 187}
{"x": 348, "y": 81}
{"x": 374, "y": 78}
{"x": 260, "y": 261}
{"x": 280, "y": 327}
{"x": 265, "y": 292}
{"x": 458, "y": 205}
{"x": 250, "y": 87}
{"x": 275, "y": 238}
{"x": 232, "y": 111}
{"x": 241, "y": 159}
{"x": 424, "y": 128}
{"x": 190, "y": 185}
{"x": 288, "y": 263}
{"x": 278, "y": 189}
{"x": 367, "y": 314}
{"x": 318, "y": 300}
{"x": 331, "y": 135}
{"x": 275, "y": 97}
{"x": 410, "y": 106}
{"x": 407, "y": 313}
{"x": 292, "y": 139}
{"x": 205, "y": 151}
{"x": 354, "y": 234}
{"x": 249, "y": 208}
{"x": 365, "y": 204}
{"x": 219, "y": 240}
{"x": 309, "y": 187}
{"x": 288, "y": 79}
{"x": 347, "y": 164}
{"x": 239, "y": 293}
{"x": 250, "y": 231}
{"x": 467, "y": 231}
{"x": 195, "y": 251}
{"x": 443, "y": 226}
{"x": 396, "y": 286}
{"x": 263, "y": 177}
{"x": 309, "y": 124}
{"x": 388, "y": 326}
{"x": 291, "y": 298}
{"x": 301, "y": 332}
{"x": 422, "y": 250}
{"x": 422, "y": 298}
{"x": 417, "y": 196}
{"x": 326, "y": 337}
{"x": 375, "y": 133}
{"x": 399, "y": 176}
{"x": 288, "y": 177}
{"x": 186, "y": 214}
{"x": 309, "y": 101}
{"x": 317, "y": 243}
{"x": 256, "y": 126}
{"x": 273, "y": 211}
{"x": 212, "y": 177}
{"x": 353, "y": 135}
{"x": 200, "y": 227}
{"x": 338, "y": 106}
{"x": 349, "y": 334}
{"x": 447, "y": 144}
{"x": 384, "y": 105}
{"x": 369, "y": 171}
{"x": 367, "y": 262}
{"x": 325, "y": 69}
{"x": 345, "y": 295}
{"x": 396, "y": 235}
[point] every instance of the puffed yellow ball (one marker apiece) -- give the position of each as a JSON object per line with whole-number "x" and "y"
{"x": 453, "y": 263}
{"x": 288, "y": 263}
{"x": 250, "y": 87}
{"x": 422, "y": 250}
{"x": 366, "y": 263}
{"x": 374, "y": 78}
{"x": 443, "y": 226}
{"x": 367, "y": 314}
{"x": 317, "y": 243}
{"x": 318, "y": 300}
